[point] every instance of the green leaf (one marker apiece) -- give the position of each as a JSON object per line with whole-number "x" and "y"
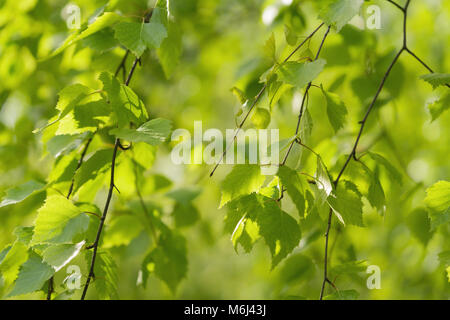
{"x": 32, "y": 276}
{"x": 340, "y": 12}
{"x": 168, "y": 261}
{"x": 436, "y": 108}
{"x": 393, "y": 173}
{"x": 169, "y": 53}
{"x": 336, "y": 110}
{"x": 243, "y": 179}
{"x": 122, "y": 230}
{"x": 269, "y": 48}
{"x": 129, "y": 35}
{"x": 299, "y": 74}
{"x": 153, "y": 34}
{"x": 343, "y": 295}
{"x": 347, "y": 205}
{"x": 97, "y": 164}
{"x": 106, "y": 275}
{"x": 279, "y": 230}
{"x": 291, "y": 37}
{"x": 139, "y": 36}
{"x": 292, "y": 181}
{"x": 255, "y": 215}
{"x": 126, "y": 105}
{"x": 21, "y": 192}
{"x": 436, "y": 79}
{"x": 63, "y": 144}
{"x": 438, "y": 203}
{"x": 185, "y": 214}
{"x": 419, "y": 224}
{"x": 24, "y": 234}
{"x": 153, "y": 132}
{"x": 297, "y": 268}
{"x": 60, "y": 255}
{"x": 105, "y": 20}
{"x": 261, "y": 118}
{"x": 323, "y": 178}
{"x": 54, "y": 216}
{"x": 375, "y": 193}
{"x": 444, "y": 257}
{"x": 15, "y": 256}
{"x": 350, "y": 268}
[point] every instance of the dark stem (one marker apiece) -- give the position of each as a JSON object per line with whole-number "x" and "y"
{"x": 304, "y": 98}
{"x": 257, "y": 98}
{"x": 108, "y": 199}
{"x": 102, "y": 221}
{"x": 69, "y": 193}
{"x": 355, "y": 145}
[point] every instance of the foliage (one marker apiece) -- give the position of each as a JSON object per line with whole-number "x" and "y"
{"x": 364, "y": 136}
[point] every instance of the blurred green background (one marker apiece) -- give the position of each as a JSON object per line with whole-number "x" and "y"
{"x": 222, "y": 47}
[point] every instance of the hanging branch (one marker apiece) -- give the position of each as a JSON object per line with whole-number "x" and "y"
{"x": 257, "y": 98}
{"x": 69, "y": 193}
{"x": 352, "y": 154}
{"x": 117, "y": 144}
{"x": 304, "y": 98}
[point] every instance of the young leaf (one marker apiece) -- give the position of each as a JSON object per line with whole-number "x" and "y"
{"x": 124, "y": 102}
{"x": 153, "y": 132}
{"x": 438, "y": 202}
{"x": 167, "y": 261}
{"x": 21, "y": 192}
{"x": 243, "y": 179}
{"x": 56, "y": 216}
{"x": 98, "y": 163}
{"x": 59, "y": 255}
{"x": 69, "y": 97}
{"x": 185, "y": 214}
{"x": 299, "y": 74}
{"x": 153, "y": 34}
{"x": 32, "y": 276}
{"x": 419, "y": 224}
{"x": 393, "y": 173}
{"x": 347, "y": 205}
{"x": 122, "y": 230}
{"x": 340, "y": 12}
{"x": 169, "y": 52}
{"x": 323, "y": 178}
{"x": 437, "y": 79}
{"x": 375, "y": 194}
{"x": 279, "y": 230}
{"x": 129, "y": 35}
{"x": 14, "y": 257}
{"x": 106, "y": 275}
{"x": 437, "y": 107}
{"x": 261, "y": 118}
{"x": 105, "y": 20}
{"x": 336, "y": 110}
{"x": 255, "y": 215}
{"x": 294, "y": 186}
{"x": 291, "y": 37}
{"x": 270, "y": 48}
{"x": 138, "y": 36}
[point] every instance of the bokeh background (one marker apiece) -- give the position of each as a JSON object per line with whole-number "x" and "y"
{"x": 222, "y": 48}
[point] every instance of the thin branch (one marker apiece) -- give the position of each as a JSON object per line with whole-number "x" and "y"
{"x": 108, "y": 199}
{"x": 102, "y": 221}
{"x": 397, "y": 5}
{"x": 80, "y": 162}
{"x": 304, "y": 97}
{"x": 355, "y": 145}
{"x": 141, "y": 200}
{"x": 257, "y": 98}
